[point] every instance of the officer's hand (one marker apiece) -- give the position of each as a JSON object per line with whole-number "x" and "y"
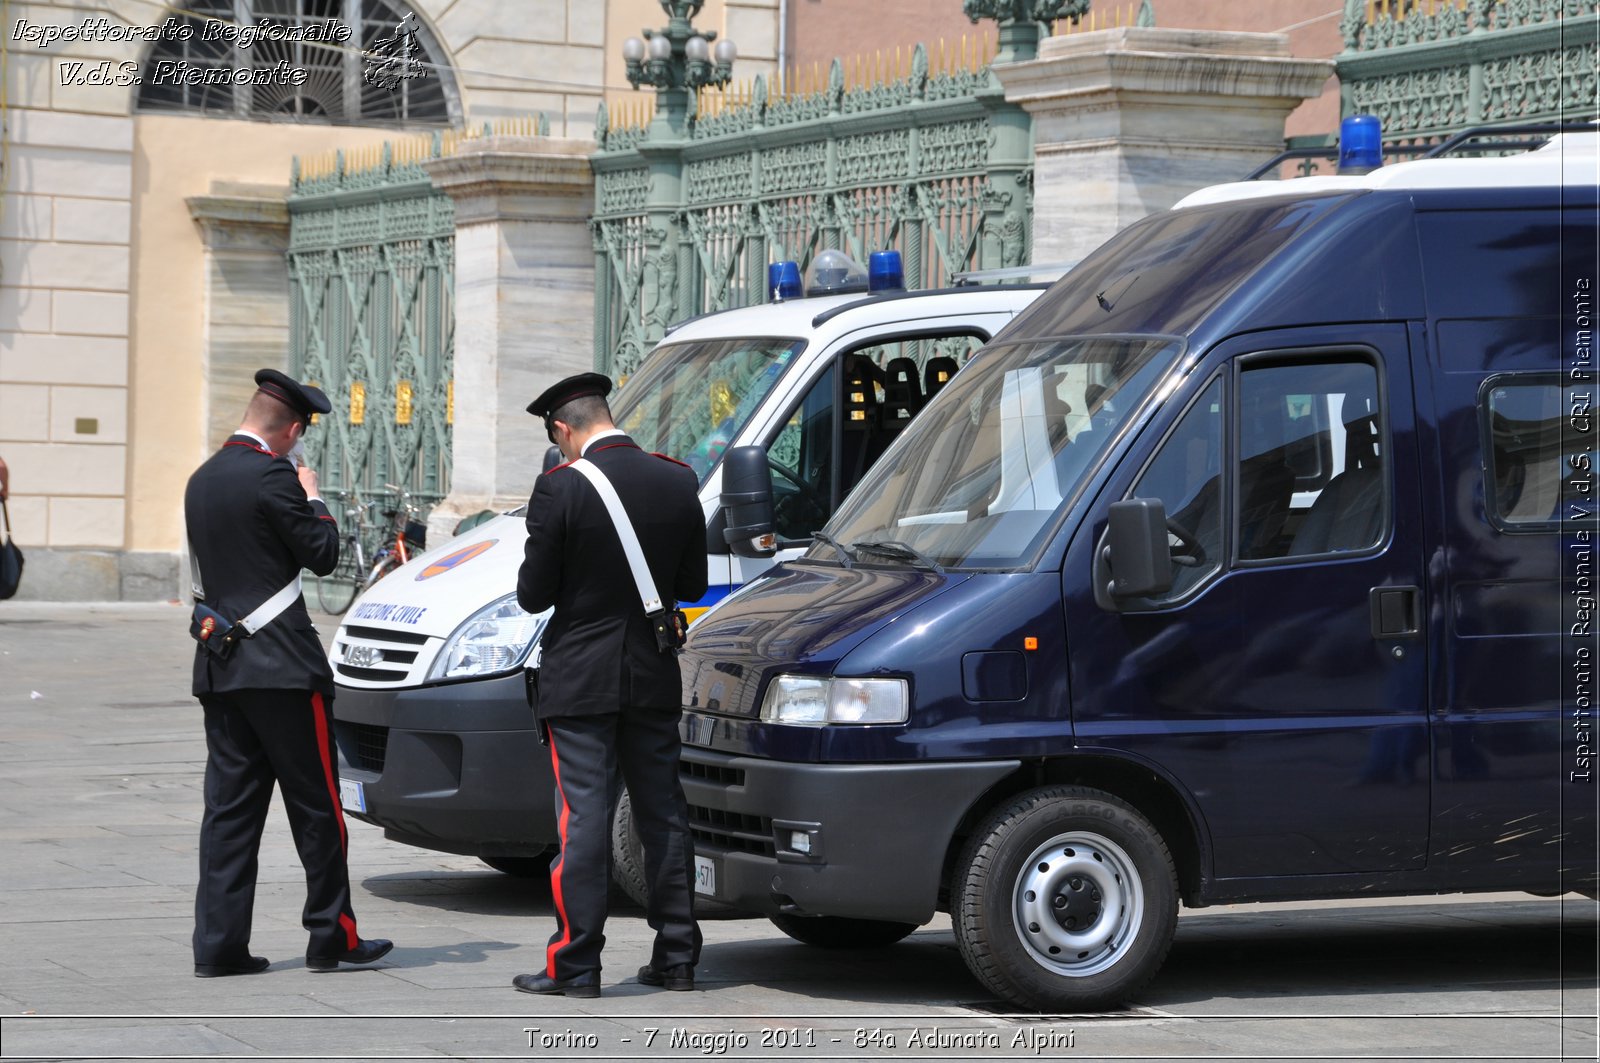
{"x": 308, "y": 481}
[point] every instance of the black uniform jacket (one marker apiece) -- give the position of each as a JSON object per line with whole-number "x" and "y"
{"x": 599, "y": 652}
{"x": 252, "y": 529}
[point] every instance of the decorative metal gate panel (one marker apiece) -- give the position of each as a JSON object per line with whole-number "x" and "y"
{"x": 371, "y": 282}
{"x": 1429, "y": 68}
{"x": 929, "y": 159}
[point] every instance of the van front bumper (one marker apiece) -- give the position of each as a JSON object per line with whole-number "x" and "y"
{"x": 878, "y": 834}
{"x": 456, "y": 767}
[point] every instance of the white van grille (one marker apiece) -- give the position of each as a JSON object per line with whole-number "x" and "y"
{"x": 375, "y": 656}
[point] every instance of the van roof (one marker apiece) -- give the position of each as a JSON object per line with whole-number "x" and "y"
{"x": 801, "y": 317}
{"x": 1565, "y": 159}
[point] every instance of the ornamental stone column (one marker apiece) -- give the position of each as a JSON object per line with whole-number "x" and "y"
{"x": 1128, "y": 121}
{"x": 245, "y": 229}
{"x": 524, "y": 299}
{"x": 246, "y": 233}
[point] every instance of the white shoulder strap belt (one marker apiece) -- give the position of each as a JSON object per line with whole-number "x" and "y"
{"x": 265, "y": 613}
{"x": 630, "y": 539}
{"x": 268, "y": 610}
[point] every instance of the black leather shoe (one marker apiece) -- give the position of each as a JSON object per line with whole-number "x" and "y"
{"x": 679, "y": 979}
{"x": 366, "y": 951}
{"x": 250, "y": 965}
{"x": 579, "y": 985}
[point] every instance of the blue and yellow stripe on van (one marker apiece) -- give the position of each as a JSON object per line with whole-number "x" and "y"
{"x": 714, "y": 594}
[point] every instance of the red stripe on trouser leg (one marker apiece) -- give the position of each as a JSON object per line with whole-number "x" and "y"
{"x": 320, "y": 714}
{"x": 559, "y": 865}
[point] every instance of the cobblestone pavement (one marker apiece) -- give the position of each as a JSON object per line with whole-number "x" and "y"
{"x": 101, "y": 757}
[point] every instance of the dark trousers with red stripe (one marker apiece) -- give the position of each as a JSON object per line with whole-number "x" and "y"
{"x": 253, "y": 739}
{"x": 587, "y": 752}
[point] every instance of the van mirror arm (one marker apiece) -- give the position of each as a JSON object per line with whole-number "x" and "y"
{"x": 1133, "y": 559}
{"x": 747, "y": 502}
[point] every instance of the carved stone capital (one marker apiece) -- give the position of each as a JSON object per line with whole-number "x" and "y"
{"x": 242, "y": 218}
{"x": 1153, "y": 82}
{"x": 517, "y": 179}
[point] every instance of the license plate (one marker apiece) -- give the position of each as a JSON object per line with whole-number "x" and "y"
{"x": 705, "y": 876}
{"x": 352, "y": 796}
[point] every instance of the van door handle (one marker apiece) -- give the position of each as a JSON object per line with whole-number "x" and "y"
{"x": 1396, "y": 612}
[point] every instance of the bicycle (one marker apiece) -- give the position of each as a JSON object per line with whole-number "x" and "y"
{"x": 410, "y": 536}
{"x": 337, "y": 590}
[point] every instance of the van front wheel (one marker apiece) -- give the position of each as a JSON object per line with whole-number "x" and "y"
{"x": 1065, "y": 900}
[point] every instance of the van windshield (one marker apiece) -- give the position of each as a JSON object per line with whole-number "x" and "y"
{"x": 976, "y": 479}
{"x": 689, "y": 400}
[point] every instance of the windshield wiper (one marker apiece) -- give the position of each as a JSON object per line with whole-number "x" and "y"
{"x": 895, "y": 548}
{"x": 844, "y": 551}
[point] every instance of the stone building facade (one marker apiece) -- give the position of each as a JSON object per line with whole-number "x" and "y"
{"x": 143, "y": 227}
{"x": 138, "y": 233}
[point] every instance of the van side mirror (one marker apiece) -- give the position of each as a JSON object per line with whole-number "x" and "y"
{"x": 552, "y": 458}
{"x": 747, "y": 502}
{"x": 1134, "y": 560}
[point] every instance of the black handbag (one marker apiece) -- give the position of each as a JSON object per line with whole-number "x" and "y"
{"x": 10, "y": 559}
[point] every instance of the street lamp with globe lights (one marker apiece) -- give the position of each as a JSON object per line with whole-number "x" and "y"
{"x": 678, "y": 60}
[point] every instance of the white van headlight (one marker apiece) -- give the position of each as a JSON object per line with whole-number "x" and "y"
{"x": 819, "y": 700}
{"x": 497, "y": 638}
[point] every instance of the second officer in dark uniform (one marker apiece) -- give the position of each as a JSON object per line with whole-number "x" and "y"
{"x": 254, "y": 521}
{"x": 609, "y": 697}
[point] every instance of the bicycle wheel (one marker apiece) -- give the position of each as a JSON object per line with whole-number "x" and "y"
{"x": 337, "y": 590}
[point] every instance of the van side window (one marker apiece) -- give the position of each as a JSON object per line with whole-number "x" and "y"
{"x": 1311, "y": 476}
{"x": 1186, "y": 475}
{"x": 801, "y": 459}
{"x": 817, "y": 457}
{"x": 1539, "y": 441}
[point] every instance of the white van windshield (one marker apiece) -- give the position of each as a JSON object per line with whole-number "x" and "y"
{"x": 689, "y": 400}
{"x": 976, "y": 479}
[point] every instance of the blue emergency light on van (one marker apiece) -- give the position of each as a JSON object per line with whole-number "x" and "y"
{"x": 783, "y": 281}
{"x": 1360, "y": 144}
{"x": 884, "y": 272}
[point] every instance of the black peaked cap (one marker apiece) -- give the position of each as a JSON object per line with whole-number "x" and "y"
{"x": 573, "y": 387}
{"x": 301, "y": 398}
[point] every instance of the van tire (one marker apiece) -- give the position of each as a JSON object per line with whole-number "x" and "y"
{"x": 627, "y": 867}
{"x": 838, "y": 932}
{"x": 1116, "y": 883}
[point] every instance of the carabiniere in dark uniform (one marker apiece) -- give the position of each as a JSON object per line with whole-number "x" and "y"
{"x": 252, "y": 528}
{"x": 609, "y": 695}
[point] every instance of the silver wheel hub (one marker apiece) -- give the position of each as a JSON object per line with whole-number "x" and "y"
{"x": 1077, "y": 904}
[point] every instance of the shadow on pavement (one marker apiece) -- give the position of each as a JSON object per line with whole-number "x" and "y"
{"x": 1405, "y": 949}
{"x": 483, "y": 892}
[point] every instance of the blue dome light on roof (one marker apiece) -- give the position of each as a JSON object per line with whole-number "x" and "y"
{"x": 783, "y": 281}
{"x": 1360, "y": 144}
{"x": 884, "y": 272}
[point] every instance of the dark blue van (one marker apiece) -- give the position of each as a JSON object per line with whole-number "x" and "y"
{"x": 1254, "y": 561}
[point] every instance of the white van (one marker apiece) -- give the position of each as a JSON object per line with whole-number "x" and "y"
{"x": 435, "y": 737}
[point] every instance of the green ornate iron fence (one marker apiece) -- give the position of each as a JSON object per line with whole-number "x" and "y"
{"x": 372, "y": 308}
{"x": 371, "y": 289}
{"x": 924, "y": 157}
{"x": 1429, "y": 68}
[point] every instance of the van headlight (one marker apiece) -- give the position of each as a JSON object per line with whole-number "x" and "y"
{"x": 497, "y": 638}
{"x": 817, "y": 700}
